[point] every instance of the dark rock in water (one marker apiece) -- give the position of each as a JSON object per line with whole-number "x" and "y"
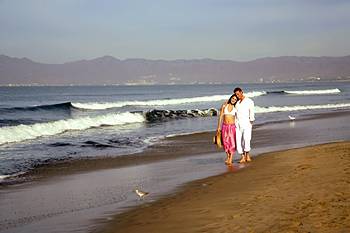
{"x": 160, "y": 115}
{"x": 213, "y": 112}
{"x": 126, "y": 142}
{"x": 96, "y": 144}
{"x": 191, "y": 114}
{"x": 121, "y": 142}
{"x": 58, "y": 144}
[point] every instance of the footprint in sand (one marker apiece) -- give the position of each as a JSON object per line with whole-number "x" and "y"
{"x": 303, "y": 167}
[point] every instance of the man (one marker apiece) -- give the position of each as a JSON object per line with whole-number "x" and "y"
{"x": 244, "y": 123}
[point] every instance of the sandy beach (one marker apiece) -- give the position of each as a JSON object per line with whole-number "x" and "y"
{"x": 298, "y": 190}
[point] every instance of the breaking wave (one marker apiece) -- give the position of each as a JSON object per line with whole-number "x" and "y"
{"x": 10, "y": 134}
{"x": 161, "y": 102}
{"x": 299, "y": 107}
{"x": 19, "y": 133}
{"x": 67, "y": 106}
{"x": 307, "y": 92}
{"x": 315, "y": 92}
{"x": 51, "y": 107}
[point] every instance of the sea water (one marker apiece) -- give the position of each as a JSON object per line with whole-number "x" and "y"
{"x": 41, "y": 125}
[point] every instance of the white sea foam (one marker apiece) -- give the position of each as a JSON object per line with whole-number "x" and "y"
{"x": 184, "y": 134}
{"x": 253, "y": 94}
{"x": 314, "y": 92}
{"x": 299, "y": 107}
{"x": 3, "y": 177}
{"x": 162, "y": 102}
{"x": 152, "y": 140}
{"x": 19, "y": 133}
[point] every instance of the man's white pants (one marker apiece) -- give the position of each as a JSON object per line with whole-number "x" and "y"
{"x": 243, "y": 137}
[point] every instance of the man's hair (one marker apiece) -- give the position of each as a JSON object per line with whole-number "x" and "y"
{"x": 237, "y": 89}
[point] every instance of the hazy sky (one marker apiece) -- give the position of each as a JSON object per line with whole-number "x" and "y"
{"x": 56, "y": 31}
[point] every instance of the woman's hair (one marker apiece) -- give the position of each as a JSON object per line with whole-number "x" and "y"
{"x": 229, "y": 100}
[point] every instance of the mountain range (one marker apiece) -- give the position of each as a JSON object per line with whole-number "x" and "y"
{"x": 108, "y": 70}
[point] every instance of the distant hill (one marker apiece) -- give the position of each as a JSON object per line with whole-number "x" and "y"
{"x": 110, "y": 70}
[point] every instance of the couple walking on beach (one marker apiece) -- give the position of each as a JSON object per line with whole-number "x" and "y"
{"x": 235, "y": 125}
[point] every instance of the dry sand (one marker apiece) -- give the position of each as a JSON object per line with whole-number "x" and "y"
{"x": 299, "y": 190}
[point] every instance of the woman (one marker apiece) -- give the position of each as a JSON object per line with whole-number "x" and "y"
{"x": 226, "y": 121}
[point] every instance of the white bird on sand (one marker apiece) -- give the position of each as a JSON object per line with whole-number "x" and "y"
{"x": 291, "y": 118}
{"x": 141, "y": 193}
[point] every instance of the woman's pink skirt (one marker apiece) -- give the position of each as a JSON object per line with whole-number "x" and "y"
{"x": 228, "y": 133}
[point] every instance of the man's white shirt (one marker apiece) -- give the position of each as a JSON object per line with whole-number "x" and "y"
{"x": 245, "y": 112}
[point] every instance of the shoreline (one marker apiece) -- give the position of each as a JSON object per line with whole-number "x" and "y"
{"x": 179, "y": 146}
{"x": 81, "y": 198}
{"x": 294, "y": 190}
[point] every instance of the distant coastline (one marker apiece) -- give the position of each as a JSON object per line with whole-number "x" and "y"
{"x": 108, "y": 70}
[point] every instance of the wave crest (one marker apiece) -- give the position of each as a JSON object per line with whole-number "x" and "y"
{"x": 10, "y": 134}
{"x": 50, "y": 107}
{"x": 298, "y": 107}
{"x": 314, "y": 92}
{"x": 161, "y": 102}
{"x": 19, "y": 133}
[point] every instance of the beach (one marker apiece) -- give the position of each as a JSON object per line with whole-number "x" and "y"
{"x": 298, "y": 190}
{"x": 96, "y": 195}
{"x": 72, "y": 166}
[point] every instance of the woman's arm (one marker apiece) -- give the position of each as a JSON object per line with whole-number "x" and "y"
{"x": 220, "y": 117}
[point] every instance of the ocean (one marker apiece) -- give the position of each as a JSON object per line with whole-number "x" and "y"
{"x": 43, "y": 125}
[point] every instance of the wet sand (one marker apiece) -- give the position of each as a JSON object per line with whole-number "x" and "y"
{"x": 298, "y": 190}
{"x": 169, "y": 148}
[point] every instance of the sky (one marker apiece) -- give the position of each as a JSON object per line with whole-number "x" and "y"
{"x": 58, "y": 31}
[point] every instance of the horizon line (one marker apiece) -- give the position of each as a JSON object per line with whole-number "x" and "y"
{"x": 172, "y": 60}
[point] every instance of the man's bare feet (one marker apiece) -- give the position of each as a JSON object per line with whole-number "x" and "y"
{"x": 247, "y": 158}
{"x": 242, "y": 160}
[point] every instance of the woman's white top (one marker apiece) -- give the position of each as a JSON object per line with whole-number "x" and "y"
{"x": 232, "y": 112}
